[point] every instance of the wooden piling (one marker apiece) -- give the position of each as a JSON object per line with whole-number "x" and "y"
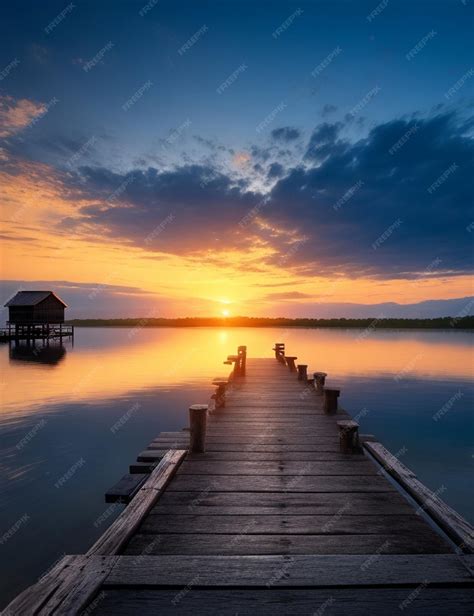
{"x": 242, "y": 353}
{"x": 219, "y": 396}
{"x": 319, "y": 381}
{"x": 197, "y": 424}
{"x": 279, "y": 349}
{"x": 234, "y": 359}
{"x": 302, "y": 372}
{"x": 348, "y": 436}
{"x": 330, "y": 397}
{"x": 290, "y": 362}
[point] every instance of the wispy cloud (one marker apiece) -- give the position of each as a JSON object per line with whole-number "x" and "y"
{"x": 17, "y": 114}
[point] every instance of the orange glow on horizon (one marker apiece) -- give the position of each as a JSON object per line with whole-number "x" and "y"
{"x": 35, "y": 200}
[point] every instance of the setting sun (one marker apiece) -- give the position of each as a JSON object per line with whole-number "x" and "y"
{"x": 225, "y": 312}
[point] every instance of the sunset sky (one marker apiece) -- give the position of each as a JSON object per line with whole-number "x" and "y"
{"x": 259, "y": 158}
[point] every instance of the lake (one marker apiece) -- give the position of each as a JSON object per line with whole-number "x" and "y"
{"x": 74, "y": 418}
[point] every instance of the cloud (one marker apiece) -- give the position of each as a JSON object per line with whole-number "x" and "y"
{"x": 328, "y": 109}
{"x": 39, "y": 54}
{"x": 290, "y": 295}
{"x": 323, "y": 141}
{"x": 385, "y": 206}
{"x": 275, "y": 170}
{"x": 191, "y": 209}
{"x": 15, "y": 115}
{"x": 285, "y": 134}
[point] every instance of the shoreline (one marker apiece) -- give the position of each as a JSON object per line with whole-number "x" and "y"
{"x": 444, "y": 323}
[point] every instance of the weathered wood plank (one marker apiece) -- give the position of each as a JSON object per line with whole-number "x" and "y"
{"x": 287, "y": 439}
{"x": 271, "y": 503}
{"x": 247, "y": 434}
{"x": 125, "y": 489}
{"x": 115, "y": 537}
{"x": 312, "y": 571}
{"x": 265, "y": 447}
{"x": 189, "y": 601}
{"x": 66, "y": 589}
{"x": 151, "y": 455}
{"x": 252, "y": 429}
{"x": 450, "y": 521}
{"x": 297, "y": 483}
{"x": 194, "y": 467}
{"x": 269, "y": 411}
{"x": 342, "y": 523}
{"x": 281, "y": 456}
{"x": 425, "y": 543}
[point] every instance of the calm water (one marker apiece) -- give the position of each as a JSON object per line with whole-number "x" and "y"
{"x": 60, "y": 451}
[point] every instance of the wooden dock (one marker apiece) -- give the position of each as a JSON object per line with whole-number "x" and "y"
{"x": 285, "y": 512}
{"x": 41, "y": 332}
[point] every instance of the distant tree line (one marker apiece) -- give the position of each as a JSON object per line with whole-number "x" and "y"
{"x": 376, "y": 323}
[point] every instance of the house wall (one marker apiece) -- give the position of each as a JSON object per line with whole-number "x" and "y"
{"x": 47, "y": 311}
{"x": 21, "y": 314}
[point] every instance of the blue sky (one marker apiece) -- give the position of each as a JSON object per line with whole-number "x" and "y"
{"x": 279, "y": 69}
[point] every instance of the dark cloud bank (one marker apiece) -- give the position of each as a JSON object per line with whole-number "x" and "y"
{"x": 394, "y": 204}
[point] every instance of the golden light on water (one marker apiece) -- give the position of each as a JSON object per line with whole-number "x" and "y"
{"x": 109, "y": 362}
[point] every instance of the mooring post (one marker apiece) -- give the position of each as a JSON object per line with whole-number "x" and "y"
{"x": 197, "y": 427}
{"x": 290, "y": 362}
{"x": 219, "y": 396}
{"x": 348, "y": 436}
{"x": 319, "y": 380}
{"x": 330, "y": 400}
{"x": 279, "y": 349}
{"x": 302, "y": 372}
{"x": 234, "y": 359}
{"x": 242, "y": 352}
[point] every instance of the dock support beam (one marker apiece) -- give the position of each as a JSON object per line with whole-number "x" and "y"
{"x": 197, "y": 425}
{"x": 330, "y": 400}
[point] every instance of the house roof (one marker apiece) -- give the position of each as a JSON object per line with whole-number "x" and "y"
{"x": 31, "y": 298}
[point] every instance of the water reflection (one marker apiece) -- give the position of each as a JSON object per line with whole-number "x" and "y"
{"x": 50, "y": 354}
{"x": 107, "y": 362}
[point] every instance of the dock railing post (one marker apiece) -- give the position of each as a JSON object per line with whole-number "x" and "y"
{"x": 348, "y": 436}
{"x": 234, "y": 359}
{"x": 330, "y": 400}
{"x": 319, "y": 380}
{"x": 197, "y": 426}
{"x": 302, "y": 372}
{"x": 242, "y": 353}
{"x": 279, "y": 349}
{"x": 219, "y": 396}
{"x": 290, "y": 362}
